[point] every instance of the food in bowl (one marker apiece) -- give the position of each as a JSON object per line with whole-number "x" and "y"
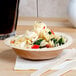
{"x": 40, "y": 43}
{"x": 38, "y": 38}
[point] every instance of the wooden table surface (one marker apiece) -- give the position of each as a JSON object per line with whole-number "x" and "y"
{"x": 8, "y": 57}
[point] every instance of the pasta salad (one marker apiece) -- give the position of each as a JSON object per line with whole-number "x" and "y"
{"x": 40, "y": 37}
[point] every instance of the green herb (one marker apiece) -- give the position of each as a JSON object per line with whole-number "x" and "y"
{"x": 38, "y": 42}
{"x": 49, "y": 33}
{"x": 61, "y": 41}
{"x": 54, "y": 40}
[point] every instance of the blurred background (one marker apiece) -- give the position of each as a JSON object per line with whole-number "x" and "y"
{"x": 43, "y": 8}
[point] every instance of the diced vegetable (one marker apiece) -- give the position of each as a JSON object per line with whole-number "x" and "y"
{"x": 38, "y": 42}
{"x": 55, "y": 43}
{"x": 13, "y": 41}
{"x": 44, "y": 27}
{"x": 49, "y": 33}
{"x": 61, "y": 41}
{"x": 35, "y": 46}
{"x": 52, "y": 32}
{"x": 47, "y": 45}
{"x": 54, "y": 40}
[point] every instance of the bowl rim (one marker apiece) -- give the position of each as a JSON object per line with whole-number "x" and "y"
{"x": 68, "y": 43}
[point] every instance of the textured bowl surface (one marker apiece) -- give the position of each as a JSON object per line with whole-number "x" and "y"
{"x": 40, "y": 54}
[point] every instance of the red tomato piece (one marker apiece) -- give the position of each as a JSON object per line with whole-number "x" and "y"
{"x": 12, "y": 41}
{"x": 44, "y": 27}
{"x": 35, "y": 46}
{"x": 52, "y": 32}
{"x": 47, "y": 45}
